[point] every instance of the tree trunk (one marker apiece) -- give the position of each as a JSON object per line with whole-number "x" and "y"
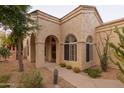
{"x": 16, "y": 51}
{"x": 20, "y": 56}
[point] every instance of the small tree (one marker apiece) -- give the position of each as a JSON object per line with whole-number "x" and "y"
{"x": 17, "y": 19}
{"x": 103, "y": 53}
{"x": 118, "y": 50}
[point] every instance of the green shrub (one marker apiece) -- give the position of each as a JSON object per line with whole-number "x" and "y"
{"x": 31, "y": 80}
{"x": 62, "y": 64}
{"x": 76, "y": 69}
{"x": 68, "y": 67}
{"x": 4, "y": 78}
{"x": 90, "y": 69}
{"x": 120, "y": 76}
{"x": 94, "y": 73}
{"x": 4, "y": 52}
{"x": 86, "y": 70}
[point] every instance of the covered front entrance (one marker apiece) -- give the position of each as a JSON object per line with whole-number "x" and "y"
{"x": 51, "y": 49}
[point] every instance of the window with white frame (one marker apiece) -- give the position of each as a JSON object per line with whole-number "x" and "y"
{"x": 70, "y": 48}
{"x": 89, "y": 49}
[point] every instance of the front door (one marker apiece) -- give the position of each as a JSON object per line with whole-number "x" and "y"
{"x": 53, "y": 53}
{"x": 50, "y": 49}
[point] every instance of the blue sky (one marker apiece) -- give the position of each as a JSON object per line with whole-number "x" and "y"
{"x": 107, "y": 12}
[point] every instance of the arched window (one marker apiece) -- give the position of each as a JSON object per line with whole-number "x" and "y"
{"x": 70, "y": 48}
{"x": 89, "y": 49}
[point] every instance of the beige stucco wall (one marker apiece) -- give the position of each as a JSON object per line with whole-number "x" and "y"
{"x": 72, "y": 26}
{"x": 81, "y": 26}
{"x": 47, "y": 28}
{"x": 89, "y": 23}
{"x": 26, "y": 51}
{"x": 108, "y": 28}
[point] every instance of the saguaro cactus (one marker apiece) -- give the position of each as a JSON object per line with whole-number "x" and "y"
{"x": 118, "y": 49}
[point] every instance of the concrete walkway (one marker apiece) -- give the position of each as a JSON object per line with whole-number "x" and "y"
{"x": 84, "y": 81}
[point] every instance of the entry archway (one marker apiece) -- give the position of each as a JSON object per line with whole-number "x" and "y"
{"x": 32, "y": 48}
{"x": 51, "y": 49}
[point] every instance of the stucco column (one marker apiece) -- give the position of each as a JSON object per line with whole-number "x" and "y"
{"x": 83, "y": 55}
{"x": 61, "y": 52}
{"x": 80, "y": 55}
{"x": 40, "y": 50}
{"x": 58, "y": 53}
{"x": 29, "y": 56}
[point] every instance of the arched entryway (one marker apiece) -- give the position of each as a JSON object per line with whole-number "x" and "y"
{"x": 32, "y": 48}
{"x": 51, "y": 48}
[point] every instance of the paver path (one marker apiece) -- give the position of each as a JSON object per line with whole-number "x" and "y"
{"x": 83, "y": 81}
